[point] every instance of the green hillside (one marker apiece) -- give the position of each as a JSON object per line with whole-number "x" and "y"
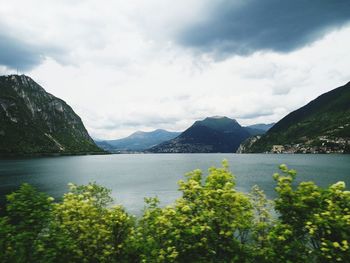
{"x": 323, "y": 125}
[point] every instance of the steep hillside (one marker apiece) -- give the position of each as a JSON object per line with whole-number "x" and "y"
{"x": 33, "y": 121}
{"x": 323, "y": 125}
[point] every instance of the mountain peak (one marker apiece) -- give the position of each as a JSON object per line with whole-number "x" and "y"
{"x": 143, "y": 133}
{"x": 138, "y": 133}
{"x": 16, "y": 77}
{"x": 213, "y": 134}
{"x": 44, "y": 123}
{"x": 218, "y": 123}
{"x": 22, "y": 82}
{"x": 160, "y": 130}
{"x": 217, "y": 117}
{"x": 139, "y": 141}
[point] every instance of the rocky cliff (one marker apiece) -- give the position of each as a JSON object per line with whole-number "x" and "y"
{"x": 33, "y": 121}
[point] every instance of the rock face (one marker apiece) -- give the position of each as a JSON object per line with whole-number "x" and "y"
{"x": 138, "y": 141}
{"x": 211, "y": 135}
{"x": 247, "y": 144}
{"x": 321, "y": 126}
{"x": 33, "y": 121}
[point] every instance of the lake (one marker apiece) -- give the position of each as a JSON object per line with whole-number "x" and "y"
{"x": 135, "y": 176}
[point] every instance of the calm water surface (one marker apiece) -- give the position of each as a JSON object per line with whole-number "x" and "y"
{"x": 135, "y": 176}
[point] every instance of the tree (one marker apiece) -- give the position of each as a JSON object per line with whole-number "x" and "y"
{"x": 314, "y": 221}
{"x": 27, "y": 213}
{"x": 209, "y": 223}
{"x": 83, "y": 229}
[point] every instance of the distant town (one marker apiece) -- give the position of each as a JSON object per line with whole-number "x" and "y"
{"x": 322, "y": 144}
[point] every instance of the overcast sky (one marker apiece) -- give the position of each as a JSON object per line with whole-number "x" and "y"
{"x": 141, "y": 65}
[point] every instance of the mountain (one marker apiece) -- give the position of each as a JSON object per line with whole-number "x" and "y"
{"x": 213, "y": 134}
{"x": 104, "y": 145}
{"x": 246, "y": 144}
{"x": 323, "y": 125}
{"x": 138, "y": 141}
{"x": 258, "y": 129}
{"x": 261, "y": 126}
{"x": 33, "y": 121}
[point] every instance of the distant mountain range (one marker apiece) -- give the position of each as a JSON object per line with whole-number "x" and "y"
{"x": 138, "y": 141}
{"x": 213, "y": 134}
{"x": 321, "y": 126}
{"x": 33, "y": 121}
{"x": 258, "y": 129}
{"x": 261, "y": 126}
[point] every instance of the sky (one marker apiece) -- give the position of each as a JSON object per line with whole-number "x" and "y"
{"x": 135, "y": 65}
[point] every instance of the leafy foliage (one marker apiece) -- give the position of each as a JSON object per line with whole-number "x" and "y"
{"x": 82, "y": 229}
{"x": 318, "y": 219}
{"x": 27, "y": 213}
{"x": 210, "y": 222}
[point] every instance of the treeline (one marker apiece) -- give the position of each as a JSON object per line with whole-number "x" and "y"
{"x": 211, "y": 222}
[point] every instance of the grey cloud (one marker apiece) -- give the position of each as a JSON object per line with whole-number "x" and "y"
{"x": 135, "y": 123}
{"x": 16, "y": 54}
{"x": 152, "y": 122}
{"x": 281, "y": 90}
{"x": 255, "y": 114}
{"x": 19, "y": 54}
{"x": 243, "y": 27}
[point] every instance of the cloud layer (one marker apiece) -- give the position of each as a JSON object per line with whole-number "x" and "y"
{"x": 243, "y": 27}
{"x": 142, "y": 65}
{"x": 18, "y": 55}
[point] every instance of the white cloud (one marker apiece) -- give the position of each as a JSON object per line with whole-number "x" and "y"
{"x": 122, "y": 71}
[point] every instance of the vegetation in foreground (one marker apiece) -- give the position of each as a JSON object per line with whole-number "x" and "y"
{"x": 211, "y": 222}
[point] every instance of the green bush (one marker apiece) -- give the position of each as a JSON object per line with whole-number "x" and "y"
{"x": 27, "y": 213}
{"x": 83, "y": 229}
{"x": 210, "y": 222}
{"x": 316, "y": 220}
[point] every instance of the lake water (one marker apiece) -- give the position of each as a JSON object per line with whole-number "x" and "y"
{"x": 135, "y": 176}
